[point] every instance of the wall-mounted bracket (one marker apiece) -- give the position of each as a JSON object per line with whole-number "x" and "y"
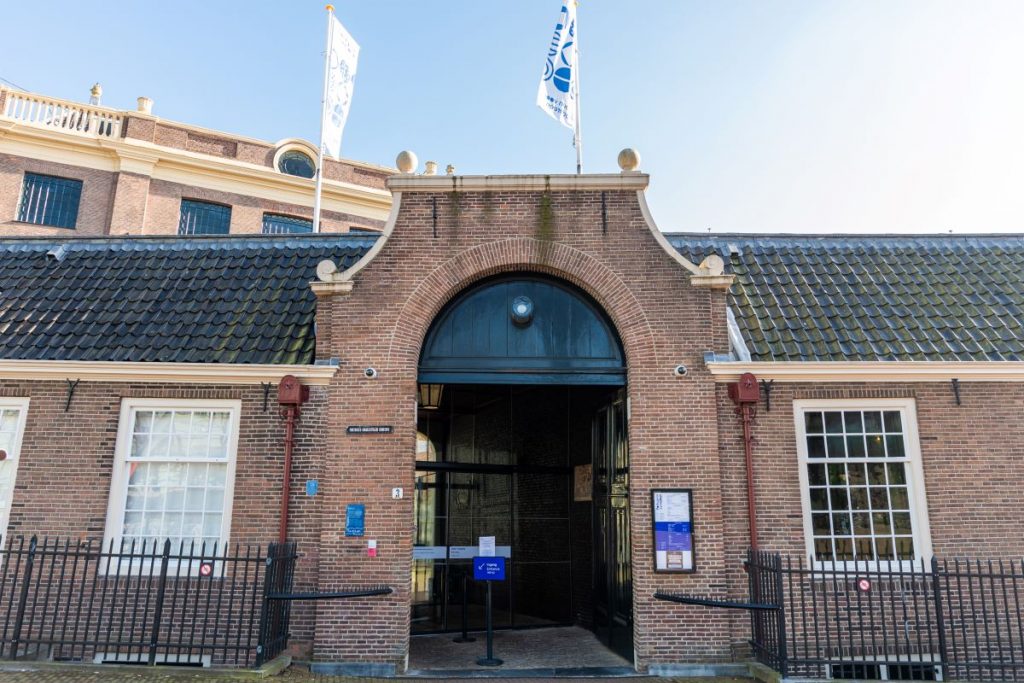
{"x": 766, "y": 387}
{"x": 604, "y": 212}
{"x": 72, "y": 385}
{"x": 434, "y": 214}
{"x": 956, "y": 389}
{"x": 267, "y": 386}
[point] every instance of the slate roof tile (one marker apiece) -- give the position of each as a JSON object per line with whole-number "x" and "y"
{"x": 873, "y": 297}
{"x": 172, "y": 299}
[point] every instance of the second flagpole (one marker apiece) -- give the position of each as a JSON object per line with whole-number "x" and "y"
{"x": 577, "y": 133}
{"x": 323, "y": 116}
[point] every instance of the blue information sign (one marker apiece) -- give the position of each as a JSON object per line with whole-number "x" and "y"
{"x": 355, "y": 516}
{"x": 311, "y": 487}
{"x": 489, "y": 568}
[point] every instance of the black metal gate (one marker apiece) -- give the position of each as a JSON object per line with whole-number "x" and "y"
{"x": 938, "y": 620}
{"x": 142, "y": 603}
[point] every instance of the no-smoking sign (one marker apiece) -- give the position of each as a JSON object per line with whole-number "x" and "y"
{"x": 205, "y": 568}
{"x": 863, "y": 585}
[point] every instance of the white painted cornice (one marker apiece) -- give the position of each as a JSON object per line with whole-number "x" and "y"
{"x": 871, "y": 371}
{"x": 184, "y": 373}
{"x": 517, "y": 183}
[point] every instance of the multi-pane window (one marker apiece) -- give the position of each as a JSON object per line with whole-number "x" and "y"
{"x": 176, "y": 475}
{"x": 278, "y": 224}
{"x": 204, "y": 218}
{"x": 12, "y": 426}
{"x": 861, "y": 481}
{"x": 49, "y": 200}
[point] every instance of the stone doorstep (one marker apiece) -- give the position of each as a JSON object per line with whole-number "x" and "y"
{"x": 272, "y": 668}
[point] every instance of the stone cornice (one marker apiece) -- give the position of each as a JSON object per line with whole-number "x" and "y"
{"x": 871, "y": 371}
{"x": 185, "y": 373}
{"x": 517, "y": 183}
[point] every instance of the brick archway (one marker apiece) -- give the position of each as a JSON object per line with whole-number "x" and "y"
{"x": 521, "y": 254}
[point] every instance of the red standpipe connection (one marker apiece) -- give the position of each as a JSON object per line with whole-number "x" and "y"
{"x": 745, "y": 394}
{"x": 290, "y": 395}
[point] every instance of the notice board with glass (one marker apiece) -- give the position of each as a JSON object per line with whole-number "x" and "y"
{"x": 672, "y": 520}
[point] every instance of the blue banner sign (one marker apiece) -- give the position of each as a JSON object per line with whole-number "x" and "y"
{"x": 355, "y": 517}
{"x": 489, "y": 568}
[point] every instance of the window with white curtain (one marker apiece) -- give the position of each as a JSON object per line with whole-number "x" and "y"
{"x": 174, "y": 473}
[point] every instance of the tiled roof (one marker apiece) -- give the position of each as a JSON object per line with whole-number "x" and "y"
{"x": 200, "y": 300}
{"x": 873, "y": 297}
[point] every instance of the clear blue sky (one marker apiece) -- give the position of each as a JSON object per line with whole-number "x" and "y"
{"x": 757, "y": 115}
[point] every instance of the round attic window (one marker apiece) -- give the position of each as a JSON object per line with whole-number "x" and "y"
{"x": 294, "y": 162}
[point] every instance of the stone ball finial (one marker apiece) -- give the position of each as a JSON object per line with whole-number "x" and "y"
{"x": 713, "y": 264}
{"x": 629, "y": 159}
{"x": 406, "y": 161}
{"x": 145, "y": 105}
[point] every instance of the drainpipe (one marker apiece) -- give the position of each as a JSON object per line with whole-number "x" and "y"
{"x": 745, "y": 394}
{"x": 290, "y": 395}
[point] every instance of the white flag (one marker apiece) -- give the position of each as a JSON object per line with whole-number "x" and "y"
{"x": 558, "y": 92}
{"x": 341, "y": 76}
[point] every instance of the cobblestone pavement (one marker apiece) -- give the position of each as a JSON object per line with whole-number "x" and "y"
{"x": 30, "y": 674}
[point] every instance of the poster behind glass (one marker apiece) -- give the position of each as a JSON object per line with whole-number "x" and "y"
{"x": 672, "y": 515}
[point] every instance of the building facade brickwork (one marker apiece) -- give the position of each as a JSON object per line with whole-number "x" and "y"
{"x": 662, "y": 320}
{"x": 132, "y": 179}
{"x": 374, "y": 308}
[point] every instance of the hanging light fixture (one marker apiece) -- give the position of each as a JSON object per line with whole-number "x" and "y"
{"x": 430, "y": 396}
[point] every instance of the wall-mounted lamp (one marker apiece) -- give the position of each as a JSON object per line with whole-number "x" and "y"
{"x": 430, "y": 396}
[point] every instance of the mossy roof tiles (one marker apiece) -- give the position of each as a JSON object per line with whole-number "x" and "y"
{"x": 873, "y": 297}
{"x": 173, "y": 299}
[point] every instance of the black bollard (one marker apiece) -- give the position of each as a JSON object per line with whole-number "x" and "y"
{"x": 465, "y": 637}
{"x": 490, "y": 659}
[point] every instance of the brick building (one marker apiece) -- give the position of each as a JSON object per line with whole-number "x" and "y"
{"x": 526, "y": 358}
{"x": 71, "y": 169}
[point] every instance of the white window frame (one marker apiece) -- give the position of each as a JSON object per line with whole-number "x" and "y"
{"x": 118, "y": 497}
{"x": 915, "y": 476}
{"x": 21, "y": 405}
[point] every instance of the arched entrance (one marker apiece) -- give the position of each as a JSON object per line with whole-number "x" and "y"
{"x": 522, "y": 436}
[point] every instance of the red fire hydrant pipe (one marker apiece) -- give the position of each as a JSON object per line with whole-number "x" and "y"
{"x": 745, "y": 394}
{"x": 291, "y": 415}
{"x": 748, "y": 452}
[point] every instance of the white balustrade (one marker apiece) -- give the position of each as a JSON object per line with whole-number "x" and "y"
{"x": 70, "y": 117}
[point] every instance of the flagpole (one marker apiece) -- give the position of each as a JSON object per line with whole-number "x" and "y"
{"x": 323, "y": 115}
{"x": 577, "y": 135}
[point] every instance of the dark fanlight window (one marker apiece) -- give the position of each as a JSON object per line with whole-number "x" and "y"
{"x": 296, "y": 163}
{"x": 204, "y": 218}
{"x": 276, "y": 224}
{"x": 49, "y": 200}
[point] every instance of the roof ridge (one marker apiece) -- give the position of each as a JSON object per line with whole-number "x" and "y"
{"x": 845, "y": 236}
{"x": 191, "y": 242}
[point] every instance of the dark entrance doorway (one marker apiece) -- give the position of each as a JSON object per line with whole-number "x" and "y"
{"x": 522, "y": 436}
{"x": 613, "y": 573}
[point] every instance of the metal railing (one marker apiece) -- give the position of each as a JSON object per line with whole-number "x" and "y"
{"x": 143, "y": 603}
{"x": 923, "y": 620}
{"x": 69, "y": 117}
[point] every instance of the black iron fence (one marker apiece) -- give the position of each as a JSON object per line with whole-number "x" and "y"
{"x": 144, "y": 603}
{"x": 924, "y": 620}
